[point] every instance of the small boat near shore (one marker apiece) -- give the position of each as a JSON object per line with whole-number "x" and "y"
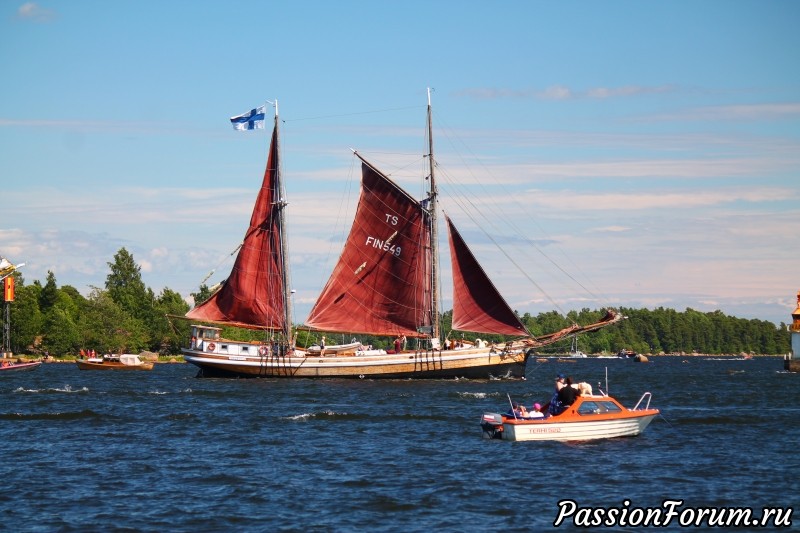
{"x": 589, "y": 418}
{"x": 7, "y": 366}
{"x": 126, "y": 361}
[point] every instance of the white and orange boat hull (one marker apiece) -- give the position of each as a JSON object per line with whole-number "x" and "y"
{"x": 589, "y": 418}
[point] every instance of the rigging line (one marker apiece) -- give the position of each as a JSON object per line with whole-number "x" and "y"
{"x": 462, "y": 199}
{"x": 515, "y": 228}
{"x": 521, "y": 270}
{"x": 319, "y": 117}
{"x": 339, "y": 229}
{"x": 223, "y": 260}
{"x": 521, "y": 234}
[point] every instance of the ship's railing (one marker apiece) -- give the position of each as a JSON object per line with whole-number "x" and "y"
{"x": 647, "y": 406}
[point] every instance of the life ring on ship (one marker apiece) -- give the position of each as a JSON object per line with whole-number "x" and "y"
{"x": 211, "y": 347}
{"x": 262, "y": 350}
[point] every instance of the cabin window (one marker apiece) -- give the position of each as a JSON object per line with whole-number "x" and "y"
{"x": 588, "y": 408}
{"x": 609, "y": 407}
{"x": 245, "y": 349}
{"x": 223, "y": 347}
{"x": 594, "y": 408}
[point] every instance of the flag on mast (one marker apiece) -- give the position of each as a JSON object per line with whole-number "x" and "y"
{"x": 252, "y": 120}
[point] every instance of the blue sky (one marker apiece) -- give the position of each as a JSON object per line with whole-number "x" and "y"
{"x": 650, "y": 150}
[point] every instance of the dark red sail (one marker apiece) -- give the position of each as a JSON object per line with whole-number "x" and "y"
{"x": 381, "y": 283}
{"x": 253, "y": 295}
{"x": 477, "y": 304}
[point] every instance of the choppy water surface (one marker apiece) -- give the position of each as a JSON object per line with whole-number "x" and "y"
{"x": 166, "y": 451}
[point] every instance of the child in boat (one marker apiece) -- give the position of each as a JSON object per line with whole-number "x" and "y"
{"x": 536, "y": 411}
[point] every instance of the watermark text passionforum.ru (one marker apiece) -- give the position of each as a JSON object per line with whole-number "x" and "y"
{"x": 671, "y": 513}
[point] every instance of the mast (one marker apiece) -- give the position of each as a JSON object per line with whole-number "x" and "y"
{"x": 287, "y": 308}
{"x": 433, "y": 207}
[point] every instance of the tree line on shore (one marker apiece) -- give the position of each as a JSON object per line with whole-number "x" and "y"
{"x": 127, "y": 316}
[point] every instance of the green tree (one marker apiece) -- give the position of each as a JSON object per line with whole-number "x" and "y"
{"x": 26, "y": 318}
{"x": 170, "y": 335}
{"x": 202, "y": 294}
{"x": 106, "y": 327}
{"x": 49, "y": 294}
{"x": 125, "y": 286}
{"x": 60, "y": 332}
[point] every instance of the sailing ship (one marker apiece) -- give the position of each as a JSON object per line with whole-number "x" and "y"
{"x": 385, "y": 283}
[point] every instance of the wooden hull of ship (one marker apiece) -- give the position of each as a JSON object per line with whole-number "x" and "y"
{"x": 478, "y": 363}
{"x": 112, "y": 365}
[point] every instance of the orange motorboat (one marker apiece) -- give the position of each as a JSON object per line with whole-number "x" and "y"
{"x": 591, "y": 417}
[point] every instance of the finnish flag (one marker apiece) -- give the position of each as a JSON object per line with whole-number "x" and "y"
{"x": 253, "y": 119}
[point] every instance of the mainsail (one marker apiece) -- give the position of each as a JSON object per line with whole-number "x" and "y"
{"x": 386, "y": 279}
{"x": 381, "y": 283}
{"x": 255, "y": 294}
{"x": 477, "y": 304}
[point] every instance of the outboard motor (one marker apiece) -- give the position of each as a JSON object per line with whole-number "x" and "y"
{"x": 492, "y": 425}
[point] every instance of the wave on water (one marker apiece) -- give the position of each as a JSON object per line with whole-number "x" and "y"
{"x": 66, "y": 388}
{"x": 304, "y": 416}
{"x": 480, "y": 395}
{"x": 86, "y": 414}
{"x": 330, "y": 415}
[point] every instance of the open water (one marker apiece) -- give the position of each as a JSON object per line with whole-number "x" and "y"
{"x": 166, "y": 451}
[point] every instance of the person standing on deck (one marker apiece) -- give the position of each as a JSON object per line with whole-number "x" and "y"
{"x": 555, "y": 404}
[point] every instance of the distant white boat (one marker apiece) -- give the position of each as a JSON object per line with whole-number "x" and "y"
{"x": 574, "y": 351}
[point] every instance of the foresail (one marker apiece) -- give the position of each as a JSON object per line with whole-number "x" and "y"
{"x": 381, "y": 283}
{"x": 253, "y": 295}
{"x": 477, "y": 304}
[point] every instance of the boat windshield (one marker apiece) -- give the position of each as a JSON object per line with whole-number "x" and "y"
{"x": 598, "y": 407}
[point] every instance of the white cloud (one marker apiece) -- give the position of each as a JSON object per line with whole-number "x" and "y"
{"x": 767, "y": 111}
{"x": 556, "y": 92}
{"x": 610, "y": 229}
{"x": 628, "y": 90}
{"x": 562, "y": 92}
{"x": 33, "y": 11}
{"x": 667, "y": 199}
